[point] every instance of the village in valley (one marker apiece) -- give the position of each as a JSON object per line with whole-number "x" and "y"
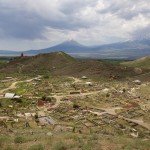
{"x": 74, "y": 74}
{"x": 73, "y": 112}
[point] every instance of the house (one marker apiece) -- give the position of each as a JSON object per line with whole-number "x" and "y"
{"x": 84, "y": 77}
{"x": 89, "y": 83}
{"x": 11, "y": 95}
{"x": 41, "y": 103}
{"x": 29, "y": 115}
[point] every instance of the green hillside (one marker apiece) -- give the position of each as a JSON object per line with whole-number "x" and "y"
{"x": 3, "y": 61}
{"x": 59, "y": 63}
{"x": 142, "y": 63}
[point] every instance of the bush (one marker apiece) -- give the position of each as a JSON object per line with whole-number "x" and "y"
{"x": 107, "y": 95}
{"x": 17, "y": 100}
{"x": 9, "y": 148}
{"x": 19, "y": 139}
{"x": 124, "y": 90}
{"x": 36, "y": 147}
{"x": 48, "y": 99}
{"x": 76, "y": 106}
{"x": 43, "y": 98}
{"x": 46, "y": 76}
{"x": 2, "y": 141}
{"x": 59, "y": 146}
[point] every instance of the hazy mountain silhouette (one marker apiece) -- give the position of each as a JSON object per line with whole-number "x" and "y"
{"x": 122, "y": 50}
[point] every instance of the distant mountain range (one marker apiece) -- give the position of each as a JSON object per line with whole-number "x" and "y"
{"x": 125, "y": 50}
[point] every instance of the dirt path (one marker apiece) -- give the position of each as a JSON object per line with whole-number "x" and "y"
{"x": 13, "y": 85}
{"x": 58, "y": 101}
{"x": 139, "y": 122}
{"x": 111, "y": 111}
{"x": 58, "y": 98}
{"x": 76, "y": 80}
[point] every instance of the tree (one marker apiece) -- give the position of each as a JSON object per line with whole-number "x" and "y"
{"x": 76, "y": 106}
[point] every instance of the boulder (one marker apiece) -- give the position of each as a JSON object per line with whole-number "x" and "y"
{"x": 49, "y": 134}
{"x": 138, "y": 82}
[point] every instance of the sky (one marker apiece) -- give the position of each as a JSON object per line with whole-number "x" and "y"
{"x": 36, "y": 24}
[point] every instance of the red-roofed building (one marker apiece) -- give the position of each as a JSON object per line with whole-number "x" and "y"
{"x": 41, "y": 103}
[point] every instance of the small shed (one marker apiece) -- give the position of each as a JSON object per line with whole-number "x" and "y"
{"x": 41, "y": 103}
{"x": 138, "y": 82}
{"x": 11, "y": 95}
{"x": 84, "y": 77}
{"x": 89, "y": 83}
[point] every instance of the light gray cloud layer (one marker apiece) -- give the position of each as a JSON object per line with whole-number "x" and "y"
{"x": 26, "y": 23}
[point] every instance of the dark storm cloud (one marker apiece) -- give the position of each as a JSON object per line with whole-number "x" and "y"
{"x": 29, "y": 24}
{"x": 31, "y": 20}
{"x": 19, "y": 23}
{"x": 141, "y": 33}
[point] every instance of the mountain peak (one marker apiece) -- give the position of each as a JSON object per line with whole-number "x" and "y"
{"x": 71, "y": 43}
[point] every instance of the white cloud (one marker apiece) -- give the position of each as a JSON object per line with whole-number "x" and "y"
{"x": 88, "y": 21}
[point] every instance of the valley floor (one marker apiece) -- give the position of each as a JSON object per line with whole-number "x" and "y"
{"x": 68, "y": 113}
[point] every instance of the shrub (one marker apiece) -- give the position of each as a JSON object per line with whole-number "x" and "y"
{"x": 2, "y": 141}
{"x": 76, "y": 106}
{"x": 17, "y": 100}
{"x": 36, "y": 147}
{"x": 9, "y": 148}
{"x": 107, "y": 95}
{"x": 124, "y": 90}
{"x": 46, "y": 76}
{"x": 59, "y": 146}
{"x": 44, "y": 98}
{"x": 94, "y": 137}
{"x": 19, "y": 139}
{"x": 48, "y": 99}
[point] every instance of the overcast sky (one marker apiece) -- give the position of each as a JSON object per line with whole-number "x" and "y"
{"x": 35, "y": 24}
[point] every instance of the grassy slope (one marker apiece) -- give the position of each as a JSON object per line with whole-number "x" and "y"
{"x": 3, "y": 61}
{"x": 67, "y": 65}
{"x": 69, "y": 141}
{"x": 142, "y": 63}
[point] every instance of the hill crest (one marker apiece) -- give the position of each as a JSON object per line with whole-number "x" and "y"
{"x": 60, "y": 63}
{"x": 143, "y": 62}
